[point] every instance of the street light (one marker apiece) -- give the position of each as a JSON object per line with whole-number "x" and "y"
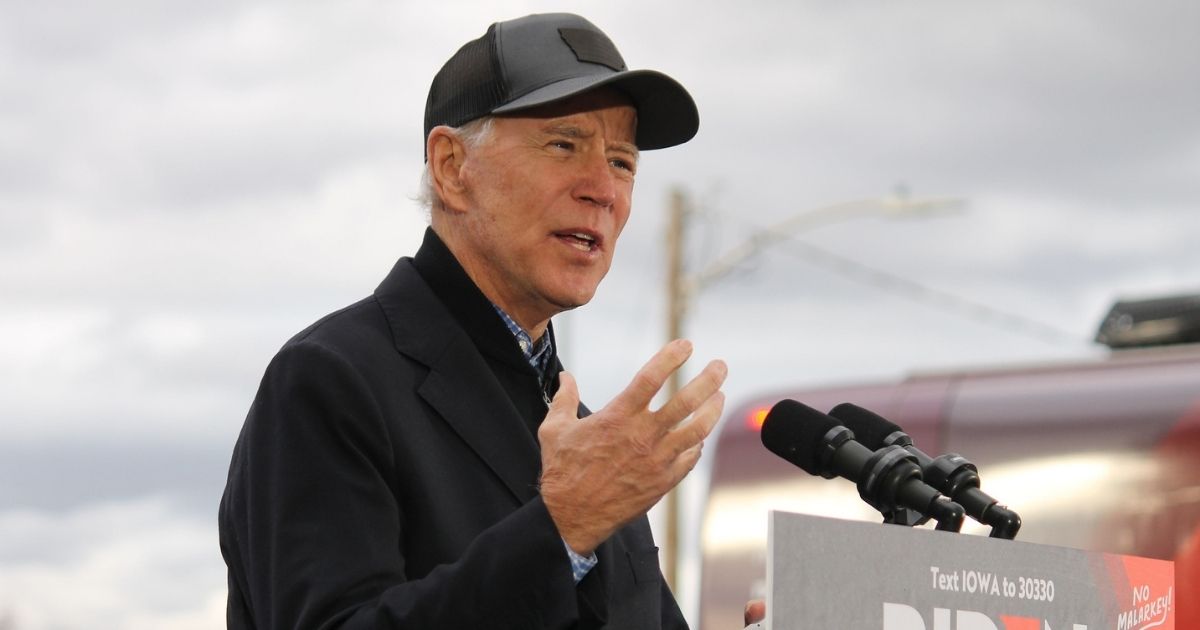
{"x": 682, "y": 287}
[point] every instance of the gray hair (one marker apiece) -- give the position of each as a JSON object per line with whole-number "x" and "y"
{"x": 472, "y": 134}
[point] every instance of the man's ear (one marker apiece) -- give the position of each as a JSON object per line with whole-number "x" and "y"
{"x": 447, "y": 154}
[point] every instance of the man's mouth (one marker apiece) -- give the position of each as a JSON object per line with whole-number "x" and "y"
{"x": 582, "y": 241}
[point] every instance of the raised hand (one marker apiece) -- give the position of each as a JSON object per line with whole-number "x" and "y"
{"x": 601, "y": 472}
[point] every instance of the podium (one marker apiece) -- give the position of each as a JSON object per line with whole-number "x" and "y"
{"x": 831, "y": 573}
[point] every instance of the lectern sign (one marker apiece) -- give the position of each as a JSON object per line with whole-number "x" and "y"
{"x": 829, "y": 573}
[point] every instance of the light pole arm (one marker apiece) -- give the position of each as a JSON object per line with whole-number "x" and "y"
{"x": 897, "y": 207}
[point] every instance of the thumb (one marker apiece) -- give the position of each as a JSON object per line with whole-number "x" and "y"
{"x": 566, "y": 399}
{"x": 563, "y": 408}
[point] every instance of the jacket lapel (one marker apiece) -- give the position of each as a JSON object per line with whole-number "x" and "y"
{"x": 460, "y": 386}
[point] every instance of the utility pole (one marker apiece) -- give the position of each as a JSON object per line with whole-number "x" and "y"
{"x": 676, "y": 304}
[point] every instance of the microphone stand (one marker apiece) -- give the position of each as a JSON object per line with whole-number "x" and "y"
{"x": 885, "y": 485}
{"x": 959, "y": 479}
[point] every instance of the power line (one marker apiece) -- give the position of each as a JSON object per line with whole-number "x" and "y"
{"x": 944, "y": 300}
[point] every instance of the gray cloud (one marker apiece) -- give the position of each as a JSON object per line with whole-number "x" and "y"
{"x": 1078, "y": 98}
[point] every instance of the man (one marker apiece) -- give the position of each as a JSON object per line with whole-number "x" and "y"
{"x": 419, "y": 459}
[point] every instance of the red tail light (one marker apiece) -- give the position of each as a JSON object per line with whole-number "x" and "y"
{"x": 755, "y": 419}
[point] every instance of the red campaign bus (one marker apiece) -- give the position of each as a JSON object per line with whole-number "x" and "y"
{"x": 1101, "y": 455}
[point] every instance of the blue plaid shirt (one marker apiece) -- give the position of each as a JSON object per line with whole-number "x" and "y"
{"x": 538, "y": 353}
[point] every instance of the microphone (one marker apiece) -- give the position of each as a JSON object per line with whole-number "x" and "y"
{"x": 951, "y": 473}
{"x": 889, "y": 479}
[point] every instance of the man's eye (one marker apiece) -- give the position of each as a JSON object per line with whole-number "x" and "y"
{"x": 562, "y": 144}
{"x": 622, "y": 164}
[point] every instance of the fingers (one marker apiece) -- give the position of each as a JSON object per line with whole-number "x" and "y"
{"x": 646, "y": 383}
{"x": 702, "y": 422}
{"x": 683, "y": 464}
{"x": 694, "y": 394}
{"x": 687, "y": 439}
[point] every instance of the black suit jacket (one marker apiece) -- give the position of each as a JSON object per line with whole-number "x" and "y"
{"x": 385, "y": 478}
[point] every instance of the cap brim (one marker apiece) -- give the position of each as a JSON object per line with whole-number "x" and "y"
{"x": 667, "y": 115}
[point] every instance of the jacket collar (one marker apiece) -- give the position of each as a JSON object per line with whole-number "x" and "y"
{"x": 445, "y": 324}
{"x": 466, "y": 303}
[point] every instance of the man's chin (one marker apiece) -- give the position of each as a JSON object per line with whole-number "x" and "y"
{"x": 572, "y": 302}
{"x": 570, "y": 305}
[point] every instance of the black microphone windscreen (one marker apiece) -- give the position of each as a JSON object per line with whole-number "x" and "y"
{"x": 795, "y": 432}
{"x": 870, "y": 429}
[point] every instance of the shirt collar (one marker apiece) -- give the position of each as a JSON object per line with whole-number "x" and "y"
{"x": 538, "y": 352}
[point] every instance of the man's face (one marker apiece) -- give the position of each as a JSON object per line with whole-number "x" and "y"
{"x": 548, "y": 193}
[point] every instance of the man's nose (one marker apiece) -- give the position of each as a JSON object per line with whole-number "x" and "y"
{"x": 597, "y": 182}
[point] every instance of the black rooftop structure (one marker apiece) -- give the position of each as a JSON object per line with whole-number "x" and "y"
{"x": 1153, "y": 322}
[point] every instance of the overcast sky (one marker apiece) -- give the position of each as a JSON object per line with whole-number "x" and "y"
{"x": 185, "y": 185}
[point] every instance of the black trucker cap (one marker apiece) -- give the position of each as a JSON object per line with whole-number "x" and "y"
{"x": 540, "y": 59}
